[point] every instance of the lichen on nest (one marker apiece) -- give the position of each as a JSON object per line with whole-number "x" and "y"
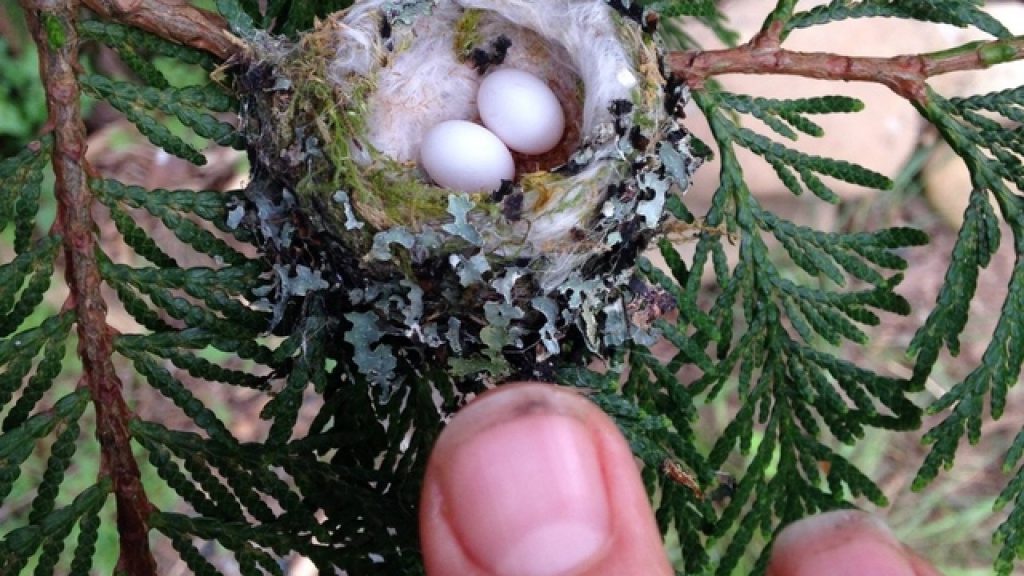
{"x": 493, "y": 284}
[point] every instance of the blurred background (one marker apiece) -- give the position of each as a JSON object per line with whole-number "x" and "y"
{"x": 951, "y": 522}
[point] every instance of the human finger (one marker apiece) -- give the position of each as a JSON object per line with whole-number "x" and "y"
{"x": 843, "y": 543}
{"x": 531, "y": 479}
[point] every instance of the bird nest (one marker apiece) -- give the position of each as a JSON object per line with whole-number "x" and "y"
{"x": 489, "y": 284}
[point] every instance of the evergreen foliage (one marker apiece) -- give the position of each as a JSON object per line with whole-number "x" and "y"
{"x": 342, "y": 489}
{"x": 960, "y": 13}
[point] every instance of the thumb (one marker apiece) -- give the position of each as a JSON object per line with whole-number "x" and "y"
{"x": 535, "y": 480}
{"x": 843, "y": 543}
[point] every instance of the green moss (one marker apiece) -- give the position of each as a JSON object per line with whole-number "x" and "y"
{"x": 403, "y": 198}
{"x": 384, "y": 194}
{"x": 641, "y": 118}
{"x": 467, "y": 32}
{"x": 55, "y": 34}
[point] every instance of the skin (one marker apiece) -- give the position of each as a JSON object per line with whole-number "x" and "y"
{"x": 532, "y": 479}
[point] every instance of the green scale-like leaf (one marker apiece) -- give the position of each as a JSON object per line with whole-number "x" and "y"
{"x": 170, "y": 387}
{"x": 40, "y": 382}
{"x": 235, "y": 537}
{"x": 16, "y": 308}
{"x": 204, "y": 491}
{"x": 294, "y": 16}
{"x": 798, "y": 392}
{"x": 194, "y": 338}
{"x": 989, "y": 152}
{"x": 139, "y": 239}
{"x": 19, "y": 545}
{"x": 18, "y": 443}
{"x": 198, "y": 367}
{"x": 85, "y": 549}
{"x": 208, "y": 286}
{"x": 960, "y": 13}
{"x": 21, "y": 180}
{"x": 240, "y": 21}
{"x": 808, "y": 165}
{"x": 706, "y": 12}
{"x": 139, "y": 309}
{"x": 202, "y": 457}
{"x": 193, "y": 558}
{"x": 208, "y": 205}
{"x": 673, "y": 8}
{"x": 190, "y": 105}
{"x": 244, "y": 468}
{"x": 783, "y": 116}
{"x": 307, "y": 367}
{"x": 121, "y": 37}
{"x": 13, "y": 274}
{"x": 169, "y": 206}
{"x": 16, "y": 356}
{"x": 214, "y": 287}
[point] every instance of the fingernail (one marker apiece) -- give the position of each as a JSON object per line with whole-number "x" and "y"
{"x": 839, "y": 543}
{"x": 527, "y": 497}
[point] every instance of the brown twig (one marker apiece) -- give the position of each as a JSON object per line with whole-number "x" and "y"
{"x": 173, "y": 20}
{"x": 906, "y": 74}
{"x": 52, "y": 23}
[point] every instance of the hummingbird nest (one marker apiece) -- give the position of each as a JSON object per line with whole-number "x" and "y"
{"x": 488, "y": 285}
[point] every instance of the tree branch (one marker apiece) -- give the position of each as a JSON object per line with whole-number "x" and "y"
{"x": 906, "y": 74}
{"x": 52, "y": 23}
{"x": 173, "y": 20}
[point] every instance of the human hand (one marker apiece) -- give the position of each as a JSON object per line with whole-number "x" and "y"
{"x": 534, "y": 480}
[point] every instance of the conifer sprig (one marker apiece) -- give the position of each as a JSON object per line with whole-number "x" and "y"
{"x": 960, "y": 13}
{"x": 991, "y": 151}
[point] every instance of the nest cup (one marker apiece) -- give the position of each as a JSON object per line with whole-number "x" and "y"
{"x": 493, "y": 283}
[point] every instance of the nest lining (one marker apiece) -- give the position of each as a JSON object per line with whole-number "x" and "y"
{"x": 421, "y": 77}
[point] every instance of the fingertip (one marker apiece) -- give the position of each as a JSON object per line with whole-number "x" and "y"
{"x": 843, "y": 543}
{"x": 534, "y": 480}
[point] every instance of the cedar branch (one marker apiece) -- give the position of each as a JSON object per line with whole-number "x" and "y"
{"x": 53, "y": 27}
{"x": 173, "y": 20}
{"x": 905, "y": 75}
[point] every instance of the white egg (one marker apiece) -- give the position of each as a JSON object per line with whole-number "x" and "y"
{"x": 466, "y": 157}
{"x": 521, "y": 109}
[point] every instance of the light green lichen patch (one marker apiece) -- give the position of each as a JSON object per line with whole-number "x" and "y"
{"x": 351, "y": 222}
{"x": 454, "y": 335}
{"x": 377, "y": 363}
{"x": 676, "y": 165}
{"x": 652, "y": 210}
{"x": 470, "y": 270}
{"x": 616, "y": 327}
{"x": 459, "y": 206}
{"x": 382, "y": 241}
{"x": 549, "y": 331}
{"x": 507, "y": 282}
{"x": 407, "y": 11}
